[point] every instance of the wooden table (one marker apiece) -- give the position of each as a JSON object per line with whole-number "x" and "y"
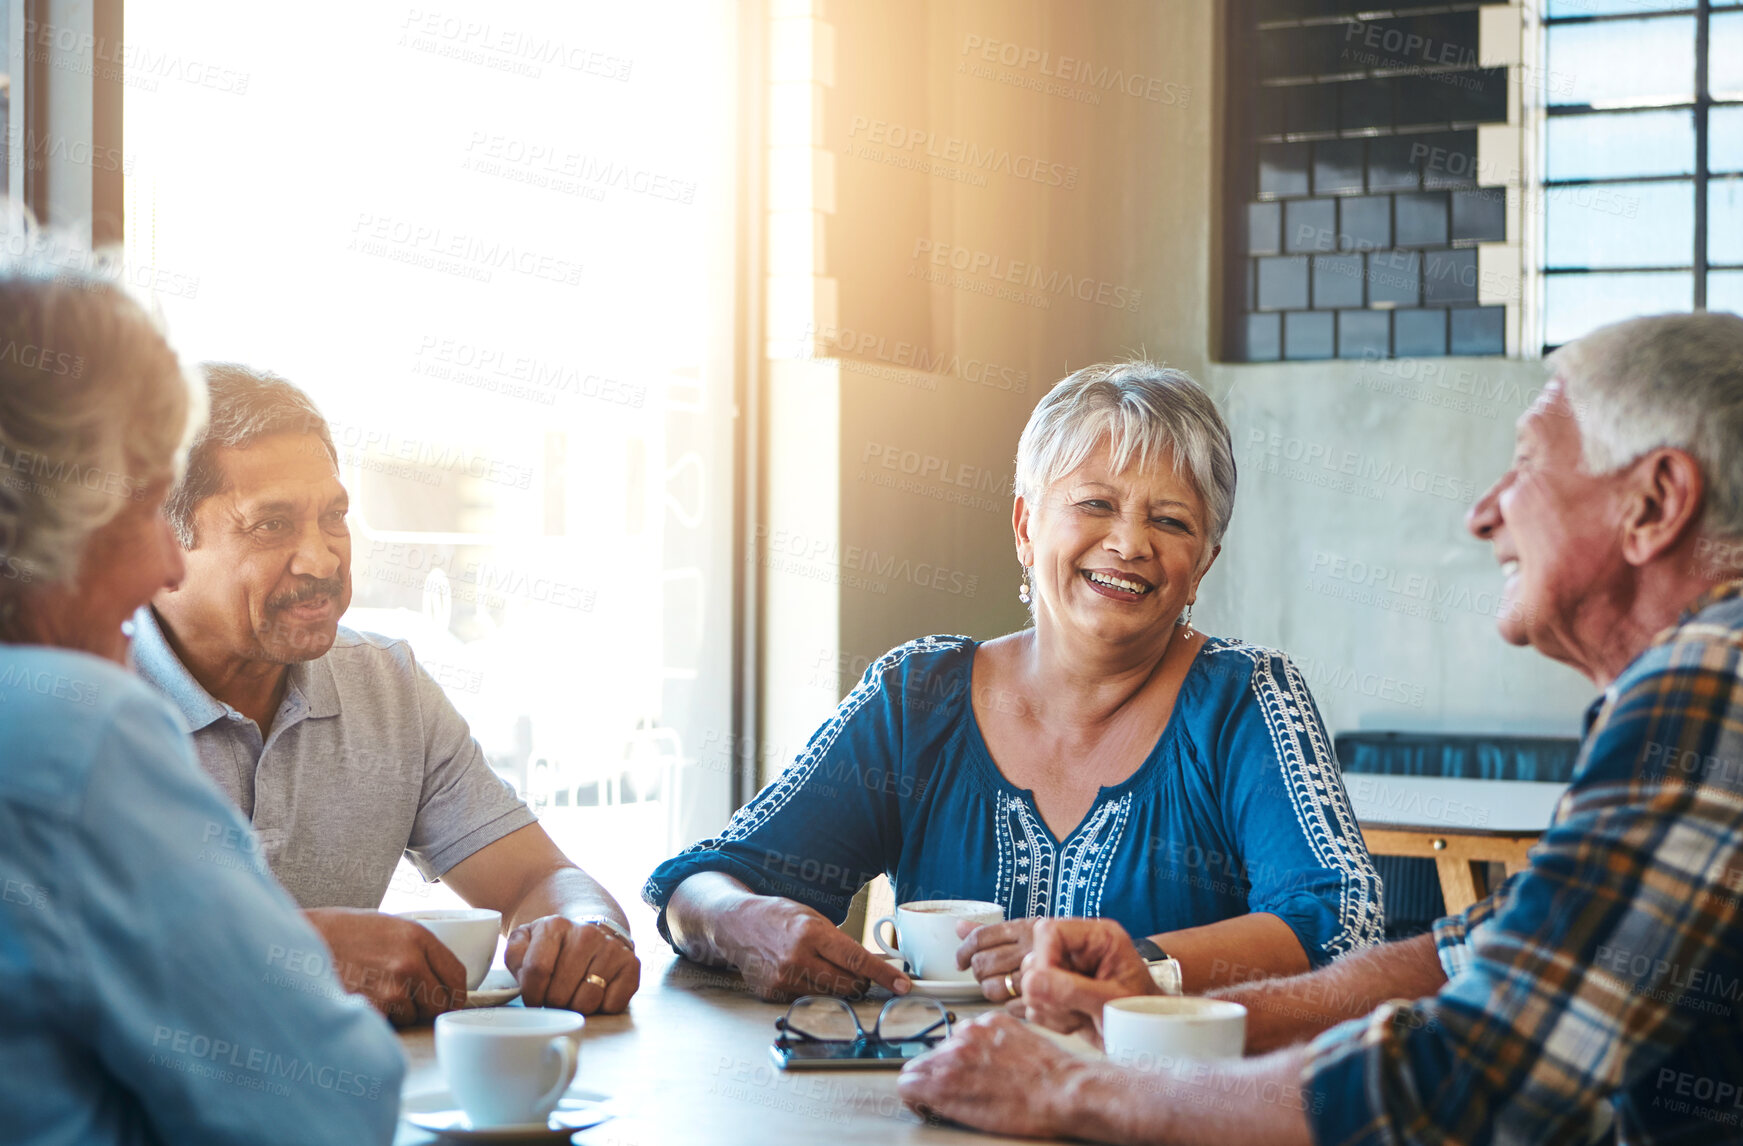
{"x": 690, "y": 1063}
{"x": 1462, "y": 825}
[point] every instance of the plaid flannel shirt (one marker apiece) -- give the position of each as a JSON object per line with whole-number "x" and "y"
{"x": 1600, "y": 991}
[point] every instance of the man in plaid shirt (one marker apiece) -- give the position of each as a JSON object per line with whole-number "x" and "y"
{"x": 1597, "y": 995}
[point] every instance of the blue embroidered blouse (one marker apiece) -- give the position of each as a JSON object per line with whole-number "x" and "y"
{"x": 1238, "y": 808}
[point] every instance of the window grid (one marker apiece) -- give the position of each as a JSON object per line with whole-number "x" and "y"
{"x": 1698, "y": 265}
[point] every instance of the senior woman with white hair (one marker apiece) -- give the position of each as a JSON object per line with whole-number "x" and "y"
{"x": 159, "y": 985}
{"x": 1109, "y": 761}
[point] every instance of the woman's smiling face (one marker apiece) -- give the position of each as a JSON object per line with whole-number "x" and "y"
{"x": 1115, "y": 557}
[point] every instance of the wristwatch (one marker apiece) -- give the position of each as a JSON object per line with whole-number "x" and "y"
{"x": 610, "y": 925}
{"x": 1164, "y": 971}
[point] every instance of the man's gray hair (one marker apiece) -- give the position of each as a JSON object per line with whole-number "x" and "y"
{"x": 1671, "y": 380}
{"x": 247, "y": 405}
{"x": 1147, "y": 412}
{"x": 95, "y": 408}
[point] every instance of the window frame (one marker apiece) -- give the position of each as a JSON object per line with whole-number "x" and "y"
{"x": 1700, "y": 107}
{"x": 80, "y": 105}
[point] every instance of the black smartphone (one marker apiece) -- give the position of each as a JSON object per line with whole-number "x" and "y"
{"x": 845, "y": 1055}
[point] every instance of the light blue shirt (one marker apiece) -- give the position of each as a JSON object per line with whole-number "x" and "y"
{"x": 159, "y": 987}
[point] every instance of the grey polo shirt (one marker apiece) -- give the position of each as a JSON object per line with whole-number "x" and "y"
{"x": 366, "y": 760}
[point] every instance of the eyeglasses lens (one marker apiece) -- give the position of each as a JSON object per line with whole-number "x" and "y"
{"x": 823, "y": 1018}
{"x": 911, "y": 1017}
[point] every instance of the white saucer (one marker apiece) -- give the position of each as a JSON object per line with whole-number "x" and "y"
{"x": 436, "y": 1112}
{"x": 499, "y": 987}
{"x": 948, "y": 990}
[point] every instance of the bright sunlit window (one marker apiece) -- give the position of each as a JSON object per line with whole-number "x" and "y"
{"x": 489, "y": 241}
{"x": 1643, "y": 150}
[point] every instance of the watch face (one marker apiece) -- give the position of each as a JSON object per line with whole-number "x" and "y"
{"x": 1165, "y": 973}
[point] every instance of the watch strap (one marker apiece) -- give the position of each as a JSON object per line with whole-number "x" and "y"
{"x": 610, "y": 925}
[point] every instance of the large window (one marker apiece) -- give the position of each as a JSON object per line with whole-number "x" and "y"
{"x": 1357, "y": 202}
{"x": 1643, "y": 161}
{"x": 9, "y": 69}
{"x": 60, "y": 157}
{"x": 494, "y": 244}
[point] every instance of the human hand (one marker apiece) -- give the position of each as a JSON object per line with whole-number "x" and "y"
{"x": 993, "y": 951}
{"x": 786, "y": 949}
{"x": 579, "y": 966}
{"x": 1078, "y": 965}
{"x": 996, "y": 1076}
{"x": 404, "y": 971}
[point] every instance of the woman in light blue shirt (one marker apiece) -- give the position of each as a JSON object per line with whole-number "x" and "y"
{"x": 1109, "y": 761}
{"x": 159, "y": 986}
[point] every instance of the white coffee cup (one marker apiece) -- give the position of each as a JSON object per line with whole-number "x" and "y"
{"x": 926, "y": 934}
{"x": 1160, "y": 1032}
{"x": 469, "y": 932}
{"x": 509, "y": 1066}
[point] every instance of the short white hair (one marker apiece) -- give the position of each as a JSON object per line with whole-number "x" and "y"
{"x": 95, "y": 406}
{"x": 1669, "y": 380}
{"x": 1147, "y": 412}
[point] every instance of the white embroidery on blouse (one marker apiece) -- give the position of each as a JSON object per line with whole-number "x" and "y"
{"x": 1314, "y": 783}
{"x": 1036, "y": 878}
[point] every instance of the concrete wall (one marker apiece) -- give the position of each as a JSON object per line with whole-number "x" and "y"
{"x": 1347, "y": 548}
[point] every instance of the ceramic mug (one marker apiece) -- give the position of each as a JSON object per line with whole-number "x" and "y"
{"x": 508, "y": 1066}
{"x": 1159, "y": 1032}
{"x": 925, "y": 934}
{"x": 469, "y": 932}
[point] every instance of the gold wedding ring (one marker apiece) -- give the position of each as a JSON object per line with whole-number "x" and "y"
{"x": 1010, "y": 985}
{"x": 596, "y": 980}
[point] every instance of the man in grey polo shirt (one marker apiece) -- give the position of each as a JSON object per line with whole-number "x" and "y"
{"x": 343, "y": 752}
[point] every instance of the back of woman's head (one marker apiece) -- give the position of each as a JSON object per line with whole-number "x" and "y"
{"x": 95, "y": 407}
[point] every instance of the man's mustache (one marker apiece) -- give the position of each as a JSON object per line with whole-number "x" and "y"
{"x": 324, "y": 587}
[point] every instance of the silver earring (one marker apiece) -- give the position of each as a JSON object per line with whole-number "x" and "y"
{"x": 1023, "y": 594}
{"x": 1186, "y": 619}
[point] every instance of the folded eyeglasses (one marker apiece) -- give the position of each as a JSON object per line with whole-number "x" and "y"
{"x": 905, "y": 1024}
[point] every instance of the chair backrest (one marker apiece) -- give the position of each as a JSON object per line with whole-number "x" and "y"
{"x": 1413, "y": 896}
{"x": 1472, "y": 756}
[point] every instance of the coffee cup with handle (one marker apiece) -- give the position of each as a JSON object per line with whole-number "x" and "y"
{"x": 508, "y": 1066}
{"x": 1160, "y": 1032}
{"x": 925, "y": 934}
{"x": 469, "y": 932}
